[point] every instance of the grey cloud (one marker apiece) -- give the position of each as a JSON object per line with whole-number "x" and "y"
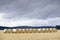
{"x": 35, "y": 9}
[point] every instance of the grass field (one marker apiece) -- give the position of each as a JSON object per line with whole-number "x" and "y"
{"x": 30, "y": 36}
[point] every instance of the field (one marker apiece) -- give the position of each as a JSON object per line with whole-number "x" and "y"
{"x": 30, "y": 36}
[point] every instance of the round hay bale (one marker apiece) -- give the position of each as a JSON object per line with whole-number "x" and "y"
{"x": 5, "y": 30}
{"x": 44, "y": 30}
{"x": 39, "y": 30}
{"x": 14, "y": 30}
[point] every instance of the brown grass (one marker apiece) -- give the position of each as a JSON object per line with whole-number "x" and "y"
{"x": 30, "y": 36}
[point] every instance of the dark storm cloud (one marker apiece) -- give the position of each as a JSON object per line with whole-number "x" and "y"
{"x": 35, "y": 9}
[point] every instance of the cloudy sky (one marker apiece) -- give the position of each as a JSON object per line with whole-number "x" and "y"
{"x": 29, "y": 12}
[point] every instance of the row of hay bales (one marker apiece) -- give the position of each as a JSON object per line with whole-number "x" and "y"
{"x": 40, "y": 30}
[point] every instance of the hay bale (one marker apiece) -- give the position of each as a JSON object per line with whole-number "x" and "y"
{"x": 27, "y": 30}
{"x": 17, "y": 30}
{"x": 23, "y": 30}
{"x": 35, "y": 30}
{"x": 54, "y": 30}
{"x": 47, "y": 30}
{"x": 10, "y": 30}
{"x": 39, "y": 30}
{"x": 14, "y": 30}
{"x": 30, "y": 30}
{"x": 5, "y": 30}
{"x": 50, "y": 29}
{"x": 20, "y": 30}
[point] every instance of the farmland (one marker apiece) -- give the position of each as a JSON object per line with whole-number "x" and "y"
{"x": 30, "y": 36}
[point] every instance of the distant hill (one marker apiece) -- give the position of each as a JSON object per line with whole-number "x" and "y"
{"x": 58, "y": 26}
{"x": 4, "y": 27}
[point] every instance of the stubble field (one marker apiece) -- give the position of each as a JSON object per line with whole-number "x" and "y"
{"x": 30, "y": 36}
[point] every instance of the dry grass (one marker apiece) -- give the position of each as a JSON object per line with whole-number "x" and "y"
{"x": 30, "y": 36}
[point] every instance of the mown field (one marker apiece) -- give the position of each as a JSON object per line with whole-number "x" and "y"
{"x": 30, "y": 36}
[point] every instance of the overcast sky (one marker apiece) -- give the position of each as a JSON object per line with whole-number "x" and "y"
{"x": 29, "y": 12}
